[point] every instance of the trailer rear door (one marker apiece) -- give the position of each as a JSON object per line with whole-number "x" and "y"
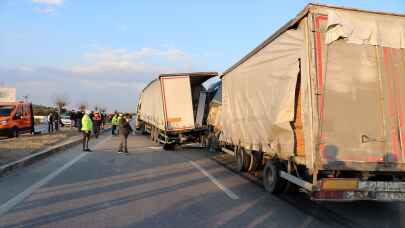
{"x": 392, "y": 63}
{"x": 177, "y": 103}
{"x": 360, "y": 104}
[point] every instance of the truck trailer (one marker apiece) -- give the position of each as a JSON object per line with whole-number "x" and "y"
{"x": 320, "y": 105}
{"x": 173, "y": 108}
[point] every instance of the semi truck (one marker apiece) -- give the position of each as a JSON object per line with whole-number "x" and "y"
{"x": 173, "y": 108}
{"x": 320, "y": 105}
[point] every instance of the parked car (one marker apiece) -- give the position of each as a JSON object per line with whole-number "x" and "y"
{"x": 66, "y": 121}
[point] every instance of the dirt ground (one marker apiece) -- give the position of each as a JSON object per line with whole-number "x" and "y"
{"x": 17, "y": 148}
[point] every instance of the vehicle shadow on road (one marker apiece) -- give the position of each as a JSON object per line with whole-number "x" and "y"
{"x": 87, "y": 204}
{"x": 341, "y": 214}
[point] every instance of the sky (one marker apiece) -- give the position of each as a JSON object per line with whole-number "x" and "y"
{"x": 103, "y": 52}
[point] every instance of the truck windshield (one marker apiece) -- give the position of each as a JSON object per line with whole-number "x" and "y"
{"x": 6, "y": 110}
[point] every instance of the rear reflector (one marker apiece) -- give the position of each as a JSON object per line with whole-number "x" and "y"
{"x": 339, "y": 184}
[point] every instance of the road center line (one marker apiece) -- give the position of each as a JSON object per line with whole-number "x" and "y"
{"x": 20, "y": 197}
{"x": 216, "y": 182}
{"x": 154, "y": 147}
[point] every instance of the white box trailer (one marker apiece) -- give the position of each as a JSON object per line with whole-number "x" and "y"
{"x": 173, "y": 108}
{"x": 320, "y": 104}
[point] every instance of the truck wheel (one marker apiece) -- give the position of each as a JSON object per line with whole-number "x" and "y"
{"x": 203, "y": 141}
{"x": 239, "y": 160}
{"x": 143, "y": 130}
{"x": 213, "y": 144}
{"x": 243, "y": 160}
{"x": 272, "y": 181}
{"x": 256, "y": 161}
{"x": 247, "y": 159}
{"x": 152, "y": 133}
{"x": 157, "y": 133}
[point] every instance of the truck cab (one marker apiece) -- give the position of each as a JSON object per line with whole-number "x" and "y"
{"x": 16, "y": 118}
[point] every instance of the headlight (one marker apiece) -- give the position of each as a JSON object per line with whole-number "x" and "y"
{"x": 3, "y": 122}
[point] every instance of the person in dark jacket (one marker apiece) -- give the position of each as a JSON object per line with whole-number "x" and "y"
{"x": 79, "y": 117}
{"x": 56, "y": 119}
{"x": 96, "y": 123}
{"x": 50, "y": 122}
{"x": 125, "y": 129}
{"x": 72, "y": 117}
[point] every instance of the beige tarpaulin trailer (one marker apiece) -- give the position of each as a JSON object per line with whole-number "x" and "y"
{"x": 323, "y": 97}
{"x": 173, "y": 104}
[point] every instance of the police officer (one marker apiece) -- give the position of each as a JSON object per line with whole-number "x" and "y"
{"x": 114, "y": 123}
{"x": 87, "y": 127}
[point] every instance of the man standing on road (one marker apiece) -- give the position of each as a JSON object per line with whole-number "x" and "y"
{"x": 125, "y": 129}
{"x": 50, "y": 122}
{"x": 56, "y": 118}
{"x": 120, "y": 116}
{"x": 72, "y": 117}
{"x": 87, "y": 127}
{"x": 114, "y": 123}
{"x": 79, "y": 117}
{"x": 96, "y": 123}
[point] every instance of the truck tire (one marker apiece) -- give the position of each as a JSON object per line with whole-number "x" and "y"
{"x": 272, "y": 181}
{"x": 213, "y": 144}
{"x": 157, "y": 133}
{"x": 256, "y": 161}
{"x": 142, "y": 129}
{"x": 152, "y": 133}
{"x": 243, "y": 160}
{"x": 247, "y": 159}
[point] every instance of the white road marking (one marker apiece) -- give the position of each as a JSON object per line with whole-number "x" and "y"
{"x": 154, "y": 147}
{"x": 216, "y": 182}
{"x": 23, "y": 195}
{"x": 20, "y": 197}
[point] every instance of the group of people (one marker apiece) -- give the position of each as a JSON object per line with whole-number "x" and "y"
{"x": 99, "y": 120}
{"x": 120, "y": 126}
{"x": 54, "y": 121}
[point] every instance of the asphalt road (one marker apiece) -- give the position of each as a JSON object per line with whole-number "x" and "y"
{"x": 156, "y": 188}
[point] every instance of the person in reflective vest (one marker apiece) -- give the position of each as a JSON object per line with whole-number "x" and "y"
{"x": 87, "y": 127}
{"x": 114, "y": 123}
{"x": 120, "y": 116}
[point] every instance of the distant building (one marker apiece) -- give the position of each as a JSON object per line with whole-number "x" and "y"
{"x": 7, "y": 94}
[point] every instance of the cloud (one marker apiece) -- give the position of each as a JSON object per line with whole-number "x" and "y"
{"x": 145, "y": 60}
{"x": 49, "y": 2}
{"x": 110, "y": 77}
{"x": 49, "y": 11}
{"x": 47, "y": 6}
{"x": 43, "y": 84}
